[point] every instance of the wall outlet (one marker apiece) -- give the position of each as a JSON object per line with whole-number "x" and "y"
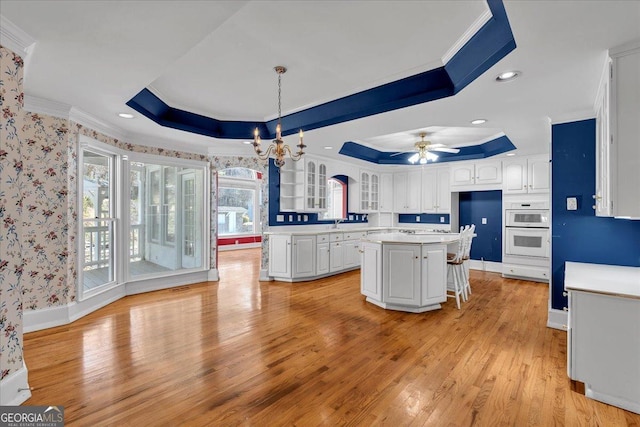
{"x": 280, "y": 218}
{"x": 417, "y": 218}
{"x": 484, "y": 221}
{"x": 442, "y": 219}
{"x": 572, "y": 203}
{"x": 290, "y": 218}
{"x": 299, "y": 218}
{"x": 305, "y": 218}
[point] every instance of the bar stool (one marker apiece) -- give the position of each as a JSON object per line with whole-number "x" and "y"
{"x": 469, "y": 232}
{"x": 455, "y": 271}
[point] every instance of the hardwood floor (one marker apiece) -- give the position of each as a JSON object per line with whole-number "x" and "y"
{"x": 242, "y": 352}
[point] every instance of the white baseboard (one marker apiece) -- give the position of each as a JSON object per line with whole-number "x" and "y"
{"x": 239, "y": 246}
{"x": 494, "y": 267}
{"x": 36, "y": 320}
{"x": 557, "y": 319}
{"x": 612, "y": 400}
{"x": 15, "y": 387}
{"x": 213, "y": 275}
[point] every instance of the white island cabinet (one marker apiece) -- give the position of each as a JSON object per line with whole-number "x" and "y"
{"x": 603, "y": 341}
{"x": 405, "y": 272}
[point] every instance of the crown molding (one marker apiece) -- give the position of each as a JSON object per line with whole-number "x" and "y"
{"x": 14, "y": 38}
{"x": 33, "y": 104}
{"x": 576, "y": 116}
{"x": 471, "y": 31}
{"x": 168, "y": 144}
{"x": 85, "y": 119}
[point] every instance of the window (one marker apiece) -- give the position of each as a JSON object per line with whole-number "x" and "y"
{"x": 166, "y": 227}
{"x": 238, "y": 202}
{"x": 336, "y": 206}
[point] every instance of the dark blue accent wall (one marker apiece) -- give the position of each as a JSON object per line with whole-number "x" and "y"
{"x": 475, "y": 205}
{"x": 579, "y": 235}
{"x": 297, "y": 218}
{"x": 424, "y": 218}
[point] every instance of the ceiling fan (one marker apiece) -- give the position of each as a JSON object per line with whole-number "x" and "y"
{"x": 424, "y": 150}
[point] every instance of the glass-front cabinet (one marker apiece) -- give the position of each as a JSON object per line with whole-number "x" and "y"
{"x": 315, "y": 185}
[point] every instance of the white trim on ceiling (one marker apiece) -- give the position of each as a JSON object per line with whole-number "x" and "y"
{"x": 14, "y": 38}
{"x": 34, "y": 104}
{"x": 471, "y": 31}
{"x": 85, "y": 119}
{"x": 575, "y": 116}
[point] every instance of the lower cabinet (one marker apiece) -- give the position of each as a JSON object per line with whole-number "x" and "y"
{"x": 406, "y": 277}
{"x": 295, "y": 257}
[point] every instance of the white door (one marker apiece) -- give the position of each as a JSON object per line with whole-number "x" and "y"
{"x": 538, "y": 175}
{"x": 515, "y": 177}
{"x": 489, "y": 173}
{"x": 190, "y": 237}
{"x": 336, "y": 254}
{"x": 463, "y": 174}
{"x": 400, "y": 192}
{"x": 280, "y": 256}
{"x": 371, "y": 272}
{"x": 414, "y": 186}
{"x": 386, "y": 192}
{"x": 351, "y": 254}
{"x": 364, "y": 191}
{"x": 434, "y": 274}
{"x": 444, "y": 190}
{"x": 429, "y": 190}
{"x": 304, "y": 253}
{"x": 322, "y": 259}
{"x": 401, "y": 274}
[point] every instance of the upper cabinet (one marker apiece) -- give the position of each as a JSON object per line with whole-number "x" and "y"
{"x": 618, "y": 135}
{"x": 303, "y": 186}
{"x": 364, "y": 194}
{"x": 484, "y": 175}
{"x": 436, "y": 190}
{"x": 526, "y": 175}
{"x": 406, "y": 189}
{"x": 315, "y": 195}
{"x": 386, "y": 192}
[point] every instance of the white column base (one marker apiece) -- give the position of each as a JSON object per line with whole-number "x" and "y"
{"x": 264, "y": 276}
{"x": 557, "y": 319}
{"x": 14, "y": 388}
{"x": 213, "y": 275}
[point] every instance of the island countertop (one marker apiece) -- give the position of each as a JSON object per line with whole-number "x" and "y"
{"x": 418, "y": 237}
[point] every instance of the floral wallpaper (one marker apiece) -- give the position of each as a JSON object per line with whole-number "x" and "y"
{"x": 11, "y": 210}
{"x": 38, "y": 213}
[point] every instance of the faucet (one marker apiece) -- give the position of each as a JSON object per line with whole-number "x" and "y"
{"x": 336, "y": 222}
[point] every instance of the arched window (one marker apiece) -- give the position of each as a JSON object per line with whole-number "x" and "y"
{"x": 336, "y": 199}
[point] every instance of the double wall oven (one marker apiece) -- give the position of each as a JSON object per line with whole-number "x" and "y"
{"x": 527, "y": 231}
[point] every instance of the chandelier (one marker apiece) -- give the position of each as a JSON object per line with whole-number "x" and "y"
{"x": 278, "y": 148}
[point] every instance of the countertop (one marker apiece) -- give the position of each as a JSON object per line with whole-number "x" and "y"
{"x": 351, "y": 230}
{"x": 603, "y": 279}
{"x": 417, "y": 237}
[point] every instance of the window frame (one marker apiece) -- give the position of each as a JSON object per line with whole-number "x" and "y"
{"x": 243, "y": 184}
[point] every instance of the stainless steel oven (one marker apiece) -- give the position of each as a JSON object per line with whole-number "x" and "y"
{"x": 527, "y": 232}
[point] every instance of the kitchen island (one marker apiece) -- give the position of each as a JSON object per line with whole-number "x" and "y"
{"x": 405, "y": 271}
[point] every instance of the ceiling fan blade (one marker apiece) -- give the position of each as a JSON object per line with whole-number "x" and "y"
{"x": 401, "y": 152}
{"x": 436, "y": 146}
{"x": 445, "y": 150}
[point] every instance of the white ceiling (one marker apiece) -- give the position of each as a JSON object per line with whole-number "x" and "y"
{"x": 216, "y": 58}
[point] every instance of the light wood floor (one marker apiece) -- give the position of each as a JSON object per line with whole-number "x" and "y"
{"x": 241, "y": 352}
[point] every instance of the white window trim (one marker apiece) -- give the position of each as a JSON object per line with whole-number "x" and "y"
{"x": 248, "y": 184}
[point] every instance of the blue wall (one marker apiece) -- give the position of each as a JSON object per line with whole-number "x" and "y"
{"x": 298, "y": 218}
{"x": 475, "y": 205}
{"x": 579, "y": 235}
{"x": 424, "y": 218}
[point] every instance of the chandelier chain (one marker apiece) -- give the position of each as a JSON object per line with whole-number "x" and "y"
{"x": 279, "y": 96}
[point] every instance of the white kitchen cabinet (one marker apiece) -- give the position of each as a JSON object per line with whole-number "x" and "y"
{"x": 526, "y": 175}
{"x": 481, "y": 175}
{"x": 407, "y": 186}
{"x": 433, "y": 273}
{"x": 304, "y": 256}
{"x": 364, "y": 194}
{"x": 315, "y": 189}
{"x": 336, "y": 252}
{"x": 280, "y": 255}
{"x": 351, "y": 249}
{"x": 322, "y": 255}
{"x": 371, "y": 277}
{"x": 436, "y": 190}
{"x": 603, "y": 343}
{"x": 618, "y": 136}
{"x": 386, "y": 192}
{"x": 401, "y": 274}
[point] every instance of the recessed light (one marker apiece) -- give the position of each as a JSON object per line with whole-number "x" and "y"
{"x": 478, "y": 121}
{"x": 507, "y": 76}
{"x": 511, "y": 154}
{"x": 247, "y": 142}
{"x": 328, "y": 147}
{"x": 126, "y": 115}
